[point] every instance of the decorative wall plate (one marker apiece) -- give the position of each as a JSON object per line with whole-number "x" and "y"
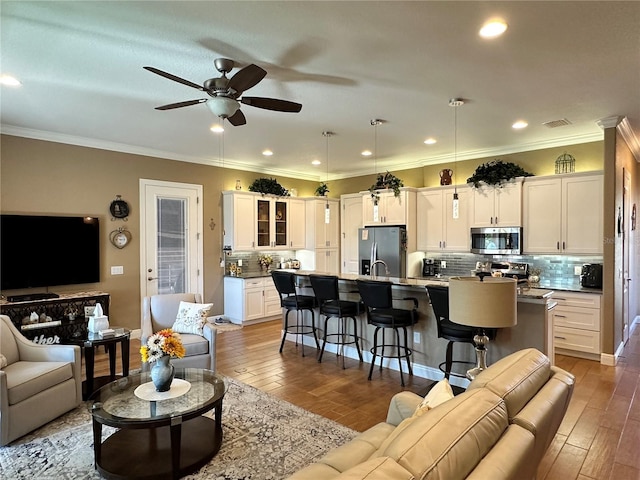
{"x": 120, "y": 238}
{"x": 119, "y": 208}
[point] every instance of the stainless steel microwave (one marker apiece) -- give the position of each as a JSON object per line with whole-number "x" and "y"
{"x": 497, "y": 241}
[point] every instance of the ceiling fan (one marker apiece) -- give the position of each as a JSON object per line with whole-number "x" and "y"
{"x": 226, "y": 92}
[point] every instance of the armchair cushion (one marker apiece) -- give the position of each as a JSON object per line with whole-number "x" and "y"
{"x": 3, "y": 361}
{"x": 194, "y": 344}
{"x": 191, "y": 317}
{"x": 26, "y": 379}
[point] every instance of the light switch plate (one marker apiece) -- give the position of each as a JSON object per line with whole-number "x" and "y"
{"x": 443, "y": 264}
{"x": 117, "y": 270}
{"x": 416, "y": 337}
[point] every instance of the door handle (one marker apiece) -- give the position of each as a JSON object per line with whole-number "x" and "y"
{"x": 152, "y": 278}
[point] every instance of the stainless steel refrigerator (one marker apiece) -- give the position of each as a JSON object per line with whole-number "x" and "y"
{"x": 386, "y": 244}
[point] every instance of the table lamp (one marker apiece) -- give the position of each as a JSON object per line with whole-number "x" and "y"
{"x": 491, "y": 303}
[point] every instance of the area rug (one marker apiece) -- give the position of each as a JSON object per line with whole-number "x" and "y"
{"x": 264, "y": 438}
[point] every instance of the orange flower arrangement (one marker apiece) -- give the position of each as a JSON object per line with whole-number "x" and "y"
{"x": 163, "y": 343}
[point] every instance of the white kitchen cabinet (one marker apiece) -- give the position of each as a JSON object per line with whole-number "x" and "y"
{"x": 272, "y": 216}
{"x": 297, "y": 223}
{"x": 576, "y": 324}
{"x": 328, "y": 260}
{"x": 436, "y": 227}
{"x": 239, "y": 219}
{"x": 390, "y": 210}
{"x": 250, "y": 299}
{"x": 497, "y": 206}
{"x": 350, "y": 222}
{"x": 563, "y": 214}
{"x": 321, "y": 234}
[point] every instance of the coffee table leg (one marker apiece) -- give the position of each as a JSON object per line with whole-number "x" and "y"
{"x": 89, "y": 358}
{"x": 97, "y": 443}
{"x": 111, "y": 347}
{"x": 125, "y": 356}
{"x": 176, "y": 435}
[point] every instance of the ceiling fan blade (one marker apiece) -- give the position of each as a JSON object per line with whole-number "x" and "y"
{"x": 188, "y": 103}
{"x": 170, "y": 76}
{"x": 237, "y": 119}
{"x": 246, "y": 78}
{"x": 272, "y": 104}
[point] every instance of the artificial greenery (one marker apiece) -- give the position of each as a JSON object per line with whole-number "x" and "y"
{"x": 268, "y": 185}
{"x": 322, "y": 189}
{"x": 496, "y": 173}
{"x": 386, "y": 181}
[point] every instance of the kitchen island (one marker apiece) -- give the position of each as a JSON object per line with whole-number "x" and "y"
{"x": 534, "y": 328}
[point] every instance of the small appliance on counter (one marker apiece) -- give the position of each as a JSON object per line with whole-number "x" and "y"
{"x": 591, "y": 276}
{"x": 429, "y": 267}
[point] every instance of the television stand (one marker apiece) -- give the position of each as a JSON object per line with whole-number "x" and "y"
{"x": 30, "y": 297}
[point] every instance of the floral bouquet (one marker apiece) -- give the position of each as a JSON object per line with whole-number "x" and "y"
{"x": 163, "y": 343}
{"x": 265, "y": 261}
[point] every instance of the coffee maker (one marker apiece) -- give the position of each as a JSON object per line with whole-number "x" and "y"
{"x": 429, "y": 267}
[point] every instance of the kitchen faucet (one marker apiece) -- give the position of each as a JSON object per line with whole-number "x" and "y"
{"x": 386, "y": 269}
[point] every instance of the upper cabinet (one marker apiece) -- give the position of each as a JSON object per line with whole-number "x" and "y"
{"x": 253, "y": 221}
{"x": 389, "y": 210}
{"x": 497, "y": 206}
{"x": 436, "y": 227}
{"x": 563, "y": 214}
{"x": 323, "y": 229}
{"x": 350, "y": 222}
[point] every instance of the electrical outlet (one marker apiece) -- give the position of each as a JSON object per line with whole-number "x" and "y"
{"x": 416, "y": 337}
{"x": 577, "y": 270}
{"x": 443, "y": 264}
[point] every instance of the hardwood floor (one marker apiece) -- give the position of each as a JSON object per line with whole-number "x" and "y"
{"x": 598, "y": 439}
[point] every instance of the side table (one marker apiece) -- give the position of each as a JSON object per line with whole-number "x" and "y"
{"x": 89, "y": 341}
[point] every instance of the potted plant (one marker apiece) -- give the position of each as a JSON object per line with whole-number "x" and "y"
{"x": 322, "y": 190}
{"x": 496, "y": 173}
{"x": 268, "y": 186}
{"x": 383, "y": 182}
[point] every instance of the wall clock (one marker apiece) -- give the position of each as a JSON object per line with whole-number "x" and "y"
{"x": 119, "y": 208}
{"x": 120, "y": 238}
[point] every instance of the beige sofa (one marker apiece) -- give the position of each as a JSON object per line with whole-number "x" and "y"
{"x": 499, "y": 428}
{"x": 37, "y": 384}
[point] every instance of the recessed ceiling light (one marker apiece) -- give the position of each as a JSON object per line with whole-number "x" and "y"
{"x": 9, "y": 80}
{"x": 366, "y": 153}
{"x": 217, "y": 129}
{"x": 493, "y": 28}
{"x": 316, "y": 162}
{"x": 519, "y": 124}
{"x": 430, "y": 141}
{"x": 267, "y": 152}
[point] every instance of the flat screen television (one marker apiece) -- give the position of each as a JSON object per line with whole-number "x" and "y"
{"x": 46, "y": 251}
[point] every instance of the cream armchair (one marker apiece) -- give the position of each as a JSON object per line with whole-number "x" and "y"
{"x": 160, "y": 311}
{"x": 38, "y": 383}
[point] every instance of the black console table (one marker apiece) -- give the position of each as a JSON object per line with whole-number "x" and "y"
{"x": 61, "y": 327}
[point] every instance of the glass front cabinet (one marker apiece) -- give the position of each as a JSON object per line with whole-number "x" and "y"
{"x": 272, "y": 215}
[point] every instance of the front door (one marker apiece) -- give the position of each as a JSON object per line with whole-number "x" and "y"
{"x": 170, "y": 239}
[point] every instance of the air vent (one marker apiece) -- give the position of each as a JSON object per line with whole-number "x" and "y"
{"x": 557, "y": 123}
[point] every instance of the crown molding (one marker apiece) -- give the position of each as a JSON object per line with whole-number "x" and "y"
{"x": 629, "y": 136}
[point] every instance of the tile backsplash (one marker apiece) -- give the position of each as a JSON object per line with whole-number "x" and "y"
{"x": 250, "y": 263}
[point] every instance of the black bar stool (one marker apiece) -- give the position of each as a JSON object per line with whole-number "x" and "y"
{"x": 325, "y": 288}
{"x": 290, "y": 300}
{"x": 439, "y": 297}
{"x": 381, "y": 313}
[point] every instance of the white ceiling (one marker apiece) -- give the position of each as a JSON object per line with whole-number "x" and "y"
{"x": 80, "y": 64}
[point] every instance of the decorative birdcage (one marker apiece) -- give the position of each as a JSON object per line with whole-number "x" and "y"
{"x": 565, "y": 163}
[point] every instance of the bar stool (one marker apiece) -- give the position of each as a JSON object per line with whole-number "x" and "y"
{"x": 381, "y": 313}
{"x": 325, "y": 288}
{"x": 439, "y": 297}
{"x": 291, "y": 300}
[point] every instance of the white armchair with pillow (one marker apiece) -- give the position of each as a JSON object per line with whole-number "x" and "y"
{"x": 37, "y": 382}
{"x": 185, "y": 314}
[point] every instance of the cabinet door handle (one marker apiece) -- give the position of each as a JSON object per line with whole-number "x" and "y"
{"x": 496, "y": 220}
{"x": 563, "y": 246}
{"x": 560, "y": 316}
{"x": 559, "y": 338}
{"x": 491, "y": 220}
{"x": 557, "y": 245}
{"x": 444, "y": 244}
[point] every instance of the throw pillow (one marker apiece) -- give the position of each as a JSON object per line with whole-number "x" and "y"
{"x": 3, "y": 361}
{"x": 440, "y": 393}
{"x": 191, "y": 317}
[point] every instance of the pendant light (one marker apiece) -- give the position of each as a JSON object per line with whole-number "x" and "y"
{"x": 455, "y": 103}
{"x": 327, "y": 211}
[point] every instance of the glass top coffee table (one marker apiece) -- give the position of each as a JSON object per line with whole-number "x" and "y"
{"x": 163, "y": 438}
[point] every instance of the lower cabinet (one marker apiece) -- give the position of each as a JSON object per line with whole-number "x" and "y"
{"x": 328, "y": 260}
{"x": 250, "y": 300}
{"x": 576, "y": 324}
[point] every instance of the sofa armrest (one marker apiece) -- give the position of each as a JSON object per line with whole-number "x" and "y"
{"x": 402, "y": 406}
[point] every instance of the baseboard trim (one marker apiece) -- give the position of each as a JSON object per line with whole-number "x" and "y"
{"x": 136, "y": 333}
{"x": 419, "y": 370}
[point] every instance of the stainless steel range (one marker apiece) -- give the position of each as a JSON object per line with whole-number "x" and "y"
{"x": 516, "y": 270}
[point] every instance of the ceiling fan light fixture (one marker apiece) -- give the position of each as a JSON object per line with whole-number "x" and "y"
{"x": 316, "y": 162}
{"x": 519, "y": 125}
{"x": 223, "y": 107}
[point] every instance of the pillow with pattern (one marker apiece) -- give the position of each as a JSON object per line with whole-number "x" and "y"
{"x": 191, "y": 317}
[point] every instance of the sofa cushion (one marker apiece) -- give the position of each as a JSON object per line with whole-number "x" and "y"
{"x": 451, "y": 439}
{"x": 8, "y": 345}
{"x": 191, "y": 317}
{"x": 194, "y": 344}
{"x": 382, "y": 468}
{"x": 516, "y": 378}
{"x": 26, "y": 379}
